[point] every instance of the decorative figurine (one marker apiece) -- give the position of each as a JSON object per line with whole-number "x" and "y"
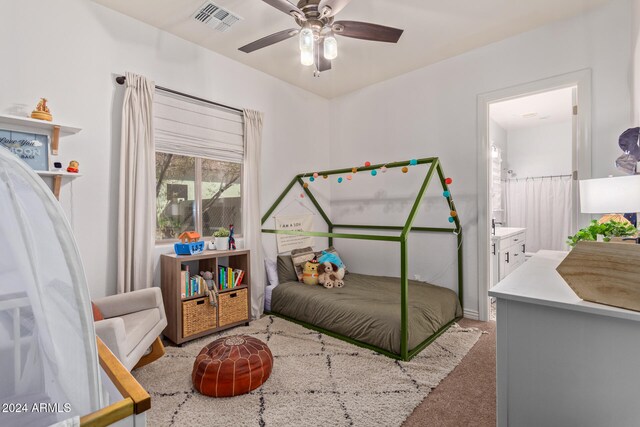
{"x": 73, "y": 166}
{"x": 232, "y": 240}
{"x": 190, "y": 243}
{"x": 42, "y": 111}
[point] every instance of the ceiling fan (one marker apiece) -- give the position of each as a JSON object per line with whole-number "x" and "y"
{"x": 318, "y": 46}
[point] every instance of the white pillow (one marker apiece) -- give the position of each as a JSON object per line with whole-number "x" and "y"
{"x": 272, "y": 271}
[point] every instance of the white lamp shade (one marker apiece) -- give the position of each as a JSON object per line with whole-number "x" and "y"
{"x": 619, "y": 194}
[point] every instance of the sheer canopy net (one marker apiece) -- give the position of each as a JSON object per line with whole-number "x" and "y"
{"x": 48, "y": 356}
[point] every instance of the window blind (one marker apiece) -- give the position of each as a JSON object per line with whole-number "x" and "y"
{"x": 189, "y": 127}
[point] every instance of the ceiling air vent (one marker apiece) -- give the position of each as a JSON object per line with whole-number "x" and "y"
{"x": 215, "y": 17}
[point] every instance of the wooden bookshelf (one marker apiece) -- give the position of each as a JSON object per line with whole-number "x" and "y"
{"x": 171, "y": 265}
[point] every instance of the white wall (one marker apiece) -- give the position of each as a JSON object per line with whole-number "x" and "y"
{"x": 432, "y": 112}
{"x": 69, "y": 51}
{"x": 540, "y": 150}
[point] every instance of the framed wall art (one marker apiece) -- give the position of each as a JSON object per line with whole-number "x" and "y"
{"x": 33, "y": 148}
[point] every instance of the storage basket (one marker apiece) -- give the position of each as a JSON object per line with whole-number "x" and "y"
{"x": 197, "y": 316}
{"x": 233, "y": 307}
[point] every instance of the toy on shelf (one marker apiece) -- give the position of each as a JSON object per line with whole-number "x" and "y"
{"x": 73, "y": 166}
{"x": 42, "y": 111}
{"x": 190, "y": 244}
{"x": 212, "y": 291}
{"x": 232, "y": 240}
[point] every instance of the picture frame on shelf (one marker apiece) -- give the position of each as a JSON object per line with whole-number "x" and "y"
{"x": 32, "y": 148}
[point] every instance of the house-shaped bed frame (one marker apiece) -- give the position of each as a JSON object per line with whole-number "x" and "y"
{"x": 435, "y": 168}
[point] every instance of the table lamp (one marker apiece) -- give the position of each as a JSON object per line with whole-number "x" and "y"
{"x": 612, "y": 196}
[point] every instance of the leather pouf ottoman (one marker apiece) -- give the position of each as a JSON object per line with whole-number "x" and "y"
{"x": 231, "y": 366}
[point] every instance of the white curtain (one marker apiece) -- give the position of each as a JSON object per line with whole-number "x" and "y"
{"x": 544, "y": 207}
{"x": 137, "y": 204}
{"x": 251, "y": 206}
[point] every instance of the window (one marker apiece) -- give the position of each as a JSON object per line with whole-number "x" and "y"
{"x": 196, "y": 194}
{"x": 199, "y": 155}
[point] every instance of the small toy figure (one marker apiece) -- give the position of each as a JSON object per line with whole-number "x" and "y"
{"x": 232, "y": 240}
{"x": 73, "y": 166}
{"x": 212, "y": 292}
{"x": 42, "y": 111}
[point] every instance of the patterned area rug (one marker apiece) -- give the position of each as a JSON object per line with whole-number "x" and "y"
{"x": 316, "y": 381}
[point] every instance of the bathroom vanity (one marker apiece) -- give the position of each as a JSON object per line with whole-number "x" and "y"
{"x": 508, "y": 246}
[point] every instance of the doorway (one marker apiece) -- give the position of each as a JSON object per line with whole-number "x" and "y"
{"x": 534, "y": 146}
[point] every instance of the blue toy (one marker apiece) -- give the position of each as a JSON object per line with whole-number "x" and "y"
{"x": 330, "y": 257}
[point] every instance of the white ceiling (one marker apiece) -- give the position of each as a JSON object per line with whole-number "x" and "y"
{"x": 434, "y": 30}
{"x": 549, "y": 107}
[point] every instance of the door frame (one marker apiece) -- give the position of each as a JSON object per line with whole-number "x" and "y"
{"x": 581, "y": 158}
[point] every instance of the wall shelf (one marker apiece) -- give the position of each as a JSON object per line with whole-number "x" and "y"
{"x": 55, "y": 130}
{"x": 38, "y": 124}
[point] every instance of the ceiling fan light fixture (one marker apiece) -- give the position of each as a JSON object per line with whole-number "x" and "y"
{"x": 306, "y": 39}
{"x": 330, "y": 47}
{"x": 306, "y": 56}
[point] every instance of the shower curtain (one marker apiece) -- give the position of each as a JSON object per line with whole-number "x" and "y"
{"x": 544, "y": 207}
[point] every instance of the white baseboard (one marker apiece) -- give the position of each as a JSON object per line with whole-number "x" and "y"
{"x": 471, "y": 314}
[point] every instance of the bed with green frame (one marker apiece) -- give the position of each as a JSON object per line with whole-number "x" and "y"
{"x": 406, "y": 350}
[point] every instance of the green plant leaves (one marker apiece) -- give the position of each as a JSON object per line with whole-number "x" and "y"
{"x": 608, "y": 230}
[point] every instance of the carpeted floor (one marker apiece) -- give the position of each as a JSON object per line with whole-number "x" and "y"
{"x": 467, "y": 396}
{"x": 317, "y": 380}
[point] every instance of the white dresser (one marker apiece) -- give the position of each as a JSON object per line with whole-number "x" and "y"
{"x": 562, "y": 361}
{"x": 508, "y": 246}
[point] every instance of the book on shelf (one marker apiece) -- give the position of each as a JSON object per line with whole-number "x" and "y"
{"x": 229, "y": 278}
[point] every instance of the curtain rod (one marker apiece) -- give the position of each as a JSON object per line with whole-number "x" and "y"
{"x": 539, "y": 177}
{"x": 121, "y": 79}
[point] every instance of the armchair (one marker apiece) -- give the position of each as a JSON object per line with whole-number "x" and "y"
{"x": 132, "y": 323}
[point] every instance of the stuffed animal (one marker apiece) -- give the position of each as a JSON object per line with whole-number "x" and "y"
{"x": 330, "y": 275}
{"x": 212, "y": 291}
{"x": 310, "y": 273}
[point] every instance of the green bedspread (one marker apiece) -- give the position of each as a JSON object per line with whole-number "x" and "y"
{"x": 367, "y": 308}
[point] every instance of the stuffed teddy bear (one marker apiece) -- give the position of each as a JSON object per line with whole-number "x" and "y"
{"x": 310, "y": 273}
{"x": 211, "y": 291}
{"x": 330, "y": 275}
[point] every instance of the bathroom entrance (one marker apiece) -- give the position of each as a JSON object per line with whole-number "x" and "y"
{"x": 533, "y": 146}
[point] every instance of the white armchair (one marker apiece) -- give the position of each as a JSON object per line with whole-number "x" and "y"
{"x": 132, "y": 324}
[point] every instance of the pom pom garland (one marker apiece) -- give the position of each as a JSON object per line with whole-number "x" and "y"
{"x": 354, "y": 170}
{"x": 448, "y": 181}
{"x": 325, "y": 176}
{"x": 349, "y": 177}
{"x": 405, "y": 169}
{"x": 312, "y": 179}
{"x": 446, "y": 194}
{"x": 454, "y": 214}
{"x": 305, "y": 185}
{"x": 302, "y": 195}
{"x": 367, "y": 164}
{"x": 339, "y": 180}
{"x": 413, "y": 162}
{"x": 315, "y": 174}
{"x": 451, "y": 219}
{"x": 383, "y": 169}
{"x": 374, "y": 172}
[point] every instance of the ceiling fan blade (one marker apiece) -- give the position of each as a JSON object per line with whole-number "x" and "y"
{"x": 367, "y": 31}
{"x": 269, "y": 40}
{"x": 322, "y": 64}
{"x": 286, "y": 7}
{"x": 335, "y": 6}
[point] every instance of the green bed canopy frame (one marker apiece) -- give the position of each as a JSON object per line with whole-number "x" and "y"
{"x": 456, "y": 229}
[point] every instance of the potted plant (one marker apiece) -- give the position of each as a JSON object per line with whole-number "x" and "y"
{"x": 602, "y": 232}
{"x": 221, "y": 239}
